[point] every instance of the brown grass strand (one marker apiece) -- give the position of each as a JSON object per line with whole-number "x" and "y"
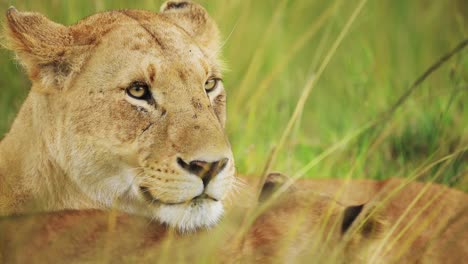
{"x": 441, "y": 61}
{"x": 385, "y": 116}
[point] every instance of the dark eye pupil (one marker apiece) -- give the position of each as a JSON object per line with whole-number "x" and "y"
{"x": 138, "y": 89}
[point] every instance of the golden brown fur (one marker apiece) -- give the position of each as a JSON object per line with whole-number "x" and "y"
{"x": 428, "y": 222}
{"x": 294, "y": 229}
{"x": 80, "y": 141}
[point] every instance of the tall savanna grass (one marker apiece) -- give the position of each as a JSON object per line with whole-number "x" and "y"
{"x": 306, "y": 81}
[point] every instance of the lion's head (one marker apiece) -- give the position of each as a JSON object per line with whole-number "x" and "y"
{"x": 131, "y": 106}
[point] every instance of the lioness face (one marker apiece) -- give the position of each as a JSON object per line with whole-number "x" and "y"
{"x": 140, "y": 114}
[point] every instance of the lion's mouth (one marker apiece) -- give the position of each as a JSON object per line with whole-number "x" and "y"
{"x": 195, "y": 200}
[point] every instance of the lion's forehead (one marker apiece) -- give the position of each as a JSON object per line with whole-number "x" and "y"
{"x": 136, "y": 30}
{"x": 129, "y": 42}
{"x": 163, "y": 48}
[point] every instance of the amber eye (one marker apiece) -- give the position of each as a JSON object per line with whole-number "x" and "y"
{"x": 139, "y": 91}
{"x": 211, "y": 84}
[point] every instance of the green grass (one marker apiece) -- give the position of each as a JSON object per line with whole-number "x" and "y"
{"x": 274, "y": 47}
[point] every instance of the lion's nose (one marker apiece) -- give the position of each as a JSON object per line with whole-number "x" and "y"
{"x": 203, "y": 169}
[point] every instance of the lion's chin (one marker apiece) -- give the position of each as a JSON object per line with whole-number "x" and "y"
{"x": 188, "y": 217}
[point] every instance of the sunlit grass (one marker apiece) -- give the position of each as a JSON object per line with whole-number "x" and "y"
{"x": 358, "y": 62}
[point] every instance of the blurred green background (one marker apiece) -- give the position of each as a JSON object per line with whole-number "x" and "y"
{"x": 272, "y": 48}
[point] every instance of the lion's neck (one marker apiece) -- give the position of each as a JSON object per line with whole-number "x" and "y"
{"x": 30, "y": 179}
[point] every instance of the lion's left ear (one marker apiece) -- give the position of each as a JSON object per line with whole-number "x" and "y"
{"x": 194, "y": 19}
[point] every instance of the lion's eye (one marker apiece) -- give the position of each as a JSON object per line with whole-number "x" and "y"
{"x": 211, "y": 84}
{"x": 139, "y": 91}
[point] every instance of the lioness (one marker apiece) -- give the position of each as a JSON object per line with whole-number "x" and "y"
{"x": 302, "y": 225}
{"x": 126, "y": 111}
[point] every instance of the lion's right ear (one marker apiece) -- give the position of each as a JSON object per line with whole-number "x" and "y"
{"x": 194, "y": 19}
{"x": 43, "y": 47}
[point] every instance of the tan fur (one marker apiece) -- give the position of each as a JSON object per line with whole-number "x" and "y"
{"x": 429, "y": 222}
{"x": 79, "y": 142}
{"x": 294, "y": 229}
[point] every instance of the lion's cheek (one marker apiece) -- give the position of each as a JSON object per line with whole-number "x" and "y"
{"x": 129, "y": 122}
{"x": 119, "y": 122}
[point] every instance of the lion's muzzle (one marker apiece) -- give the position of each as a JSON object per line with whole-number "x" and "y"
{"x": 204, "y": 169}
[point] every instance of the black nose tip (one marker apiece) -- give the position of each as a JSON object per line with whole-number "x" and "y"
{"x": 203, "y": 169}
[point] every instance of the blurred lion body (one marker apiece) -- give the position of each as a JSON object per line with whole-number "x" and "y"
{"x": 304, "y": 225}
{"x": 426, "y": 222}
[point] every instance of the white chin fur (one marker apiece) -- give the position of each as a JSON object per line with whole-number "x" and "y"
{"x": 191, "y": 216}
